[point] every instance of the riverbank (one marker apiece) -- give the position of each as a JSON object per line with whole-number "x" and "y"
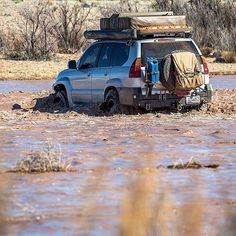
{"x": 47, "y": 70}
{"x": 34, "y": 70}
{"x": 221, "y": 68}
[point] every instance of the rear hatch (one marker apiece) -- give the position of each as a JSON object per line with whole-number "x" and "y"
{"x": 162, "y": 47}
{"x": 159, "y": 48}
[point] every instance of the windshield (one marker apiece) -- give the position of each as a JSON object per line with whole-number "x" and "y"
{"x": 161, "y": 49}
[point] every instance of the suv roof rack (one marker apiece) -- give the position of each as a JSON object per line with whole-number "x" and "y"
{"x": 127, "y": 26}
{"x": 133, "y": 34}
{"x": 145, "y": 14}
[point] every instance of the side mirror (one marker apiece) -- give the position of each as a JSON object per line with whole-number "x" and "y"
{"x": 72, "y": 64}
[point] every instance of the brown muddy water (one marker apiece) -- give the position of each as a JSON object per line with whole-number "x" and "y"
{"x": 119, "y": 185}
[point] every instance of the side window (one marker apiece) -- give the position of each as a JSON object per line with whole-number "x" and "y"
{"x": 120, "y": 54}
{"x": 105, "y": 55}
{"x": 89, "y": 59}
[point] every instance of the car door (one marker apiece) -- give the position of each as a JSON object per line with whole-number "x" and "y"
{"x": 100, "y": 75}
{"x": 81, "y": 82}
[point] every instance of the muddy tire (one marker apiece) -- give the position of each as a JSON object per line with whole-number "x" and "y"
{"x": 112, "y": 103}
{"x": 61, "y": 99}
{"x": 203, "y": 107}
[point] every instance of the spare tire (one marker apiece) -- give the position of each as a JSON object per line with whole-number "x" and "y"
{"x": 168, "y": 72}
{"x": 167, "y": 77}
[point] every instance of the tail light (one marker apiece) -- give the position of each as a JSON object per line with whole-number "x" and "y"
{"x": 205, "y": 66}
{"x": 135, "y": 69}
{"x": 182, "y": 93}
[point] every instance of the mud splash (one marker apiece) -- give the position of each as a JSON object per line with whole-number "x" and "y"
{"x": 224, "y": 102}
{"x": 28, "y": 105}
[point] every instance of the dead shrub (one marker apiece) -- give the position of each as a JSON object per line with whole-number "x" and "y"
{"x": 35, "y": 30}
{"x": 228, "y": 57}
{"x": 13, "y": 45}
{"x": 207, "y": 51}
{"x": 213, "y": 21}
{"x": 70, "y": 24}
{"x": 31, "y": 37}
{"x": 121, "y": 6}
{"x": 46, "y": 160}
{"x": 43, "y": 29}
{"x": 1, "y": 39}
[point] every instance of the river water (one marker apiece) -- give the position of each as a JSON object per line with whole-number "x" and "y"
{"x": 222, "y": 82}
{"x": 111, "y": 157}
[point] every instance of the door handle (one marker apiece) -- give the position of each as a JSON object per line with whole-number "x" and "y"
{"x": 105, "y": 74}
{"x": 89, "y": 75}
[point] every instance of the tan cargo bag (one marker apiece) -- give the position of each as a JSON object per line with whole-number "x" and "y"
{"x": 187, "y": 71}
{"x": 139, "y": 21}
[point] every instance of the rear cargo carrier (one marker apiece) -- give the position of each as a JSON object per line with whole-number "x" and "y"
{"x": 140, "y": 25}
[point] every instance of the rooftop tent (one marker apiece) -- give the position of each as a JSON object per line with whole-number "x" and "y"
{"x": 137, "y": 25}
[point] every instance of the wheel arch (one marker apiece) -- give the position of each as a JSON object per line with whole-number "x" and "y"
{"x": 112, "y": 87}
{"x": 115, "y": 84}
{"x": 60, "y": 87}
{"x": 64, "y": 84}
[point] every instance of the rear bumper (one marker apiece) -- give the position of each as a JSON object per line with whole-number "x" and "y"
{"x": 134, "y": 97}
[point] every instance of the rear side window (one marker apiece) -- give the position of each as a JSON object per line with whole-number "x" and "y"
{"x": 89, "y": 59}
{"x": 120, "y": 54}
{"x": 105, "y": 55}
{"x": 161, "y": 49}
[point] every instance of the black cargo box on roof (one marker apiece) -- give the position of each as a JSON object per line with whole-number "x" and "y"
{"x": 111, "y": 34}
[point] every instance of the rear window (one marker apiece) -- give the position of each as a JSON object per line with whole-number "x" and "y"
{"x": 161, "y": 49}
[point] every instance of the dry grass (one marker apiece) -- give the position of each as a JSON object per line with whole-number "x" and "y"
{"x": 228, "y": 57}
{"x": 206, "y": 51}
{"x": 3, "y": 203}
{"x": 46, "y": 160}
{"x": 34, "y": 70}
{"x": 217, "y": 68}
{"x": 147, "y": 212}
{"x": 47, "y": 70}
{"x": 191, "y": 164}
{"x": 137, "y": 214}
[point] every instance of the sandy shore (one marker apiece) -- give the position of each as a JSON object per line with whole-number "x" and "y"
{"x": 47, "y": 70}
{"x": 221, "y": 68}
{"x": 34, "y": 70}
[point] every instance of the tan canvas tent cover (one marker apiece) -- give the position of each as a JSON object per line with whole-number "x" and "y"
{"x": 140, "y": 21}
{"x": 188, "y": 72}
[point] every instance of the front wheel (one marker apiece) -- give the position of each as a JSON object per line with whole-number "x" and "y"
{"x": 61, "y": 98}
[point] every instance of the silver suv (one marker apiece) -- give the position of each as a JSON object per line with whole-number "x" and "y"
{"x": 112, "y": 73}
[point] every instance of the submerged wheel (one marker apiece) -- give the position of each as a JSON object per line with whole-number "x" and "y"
{"x": 203, "y": 107}
{"x": 179, "y": 107}
{"x": 112, "y": 103}
{"x": 61, "y": 98}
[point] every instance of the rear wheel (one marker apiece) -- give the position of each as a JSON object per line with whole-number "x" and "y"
{"x": 112, "y": 103}
{"x": 61, "y": 98}
{"x": 203, "y": 107}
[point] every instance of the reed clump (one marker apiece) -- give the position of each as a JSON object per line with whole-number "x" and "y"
{"x": 46, "y": 160}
